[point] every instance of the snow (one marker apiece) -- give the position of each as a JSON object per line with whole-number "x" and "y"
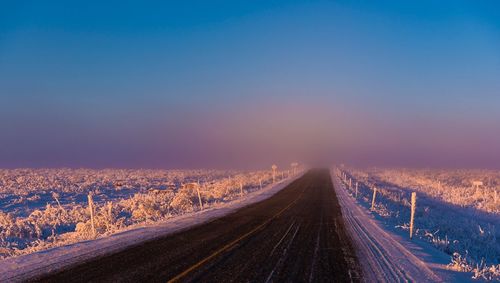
{"x": 451, "y": 215}
{"x": 386, "y": 256}
{"x": 26, "y": 266}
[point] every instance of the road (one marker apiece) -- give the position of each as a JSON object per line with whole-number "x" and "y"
{"x": 296, "y": 235}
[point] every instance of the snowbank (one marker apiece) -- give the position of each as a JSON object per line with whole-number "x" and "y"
{"x": 386, "y": 256}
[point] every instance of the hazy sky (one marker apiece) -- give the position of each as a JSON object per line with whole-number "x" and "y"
{"x": 243, "y": 83}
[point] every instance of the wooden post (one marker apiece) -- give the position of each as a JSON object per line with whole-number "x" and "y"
{"x": 110, "y": 211}
{"x": 260, "y": 183}
{"x": 241, "y": 188}
{"x": 373, "y": 198}
{"x": 111, "y": 219}
{"x": 274, "y": 167}
{"x": 199, "y": 196}
{"x": 91, "y": 210}
{"x": 56, "y": 197}
{"x": 350, "y": 183}
{"x": 294, "y": 166}
{"x": 412, "y": 217}
{"x": 227, "y": 190}
{"x": 356, "y": 189}
{"x": 495, "y": 196}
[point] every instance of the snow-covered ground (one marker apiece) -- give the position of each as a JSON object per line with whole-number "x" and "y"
{"x": 448, "y": 237}
{"x": 45, "y": 208}
{"x": 23, "y": 267}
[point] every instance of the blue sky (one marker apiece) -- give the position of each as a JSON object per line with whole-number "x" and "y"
{"x": 155, "y": 84}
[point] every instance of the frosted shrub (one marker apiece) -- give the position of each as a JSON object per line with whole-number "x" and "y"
{"x": 84, "y": 230}
{"x": 483, "y": 271}
{"x": 459, "y": 263}
{"x": 184, "y": 200}
{"x": 151, "y": 206}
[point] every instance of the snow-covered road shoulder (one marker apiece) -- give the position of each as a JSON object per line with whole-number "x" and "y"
{"x": 383, "y": 255}
{"x": 27, "y": 266}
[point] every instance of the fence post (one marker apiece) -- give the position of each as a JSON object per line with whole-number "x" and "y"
{"x": 412, "y": 217}
{"x": 260, "y": 183}
{"x": 356, "y": 189}
{"x": 373, "y": 198}
{"x": 199, "y": 196}
{"x": 91, "y": 209}
{"x": 350, "y": 183}
{"x": 241, "y": 188}
{"x": 273, "y": 168}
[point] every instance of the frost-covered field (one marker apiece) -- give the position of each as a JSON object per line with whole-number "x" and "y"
{"x": 44, "y": 208}
{"x": 453, "y": 216}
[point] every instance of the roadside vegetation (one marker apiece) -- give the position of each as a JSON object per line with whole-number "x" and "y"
{"x": 458, "y": 211}
{"x": 45, "y": 208}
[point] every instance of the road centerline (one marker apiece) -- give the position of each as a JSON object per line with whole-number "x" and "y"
{"x": 192, "y": 268}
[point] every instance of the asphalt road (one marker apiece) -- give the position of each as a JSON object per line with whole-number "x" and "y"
{"x": 298, "y": 235}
